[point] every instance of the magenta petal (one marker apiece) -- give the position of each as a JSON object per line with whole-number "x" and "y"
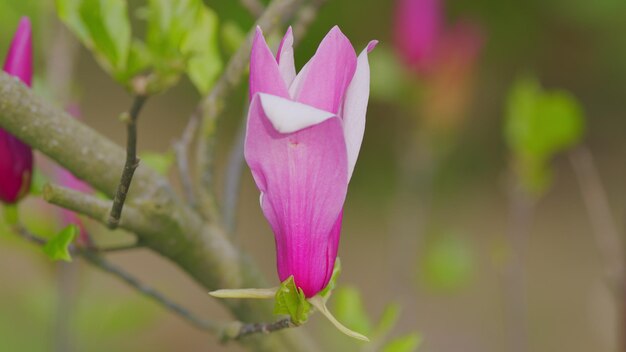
{"x": 19, "y": 60}
{"x": 322, "y": 83}
{"x": 265, "y": 76}
{"x": 16, "y": 158}
{"x": 16, "y": 166}
{"x": 303, "y": 178}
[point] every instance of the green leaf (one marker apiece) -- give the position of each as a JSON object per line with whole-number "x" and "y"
{"x": 328, "y": 290}
{"x": 539, "y": 124}
{"x": 102, "y": 26}
{"x": 408, "y": 343}
{"x": 290, "y": 300}
{"x": 201, "y": 46}
{"x": 348, "y": 308}
{"x": 57, "y": 248}
{"x": 161, "y": 163}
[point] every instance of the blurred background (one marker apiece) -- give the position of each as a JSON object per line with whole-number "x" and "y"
{"x": 450, "y": 220}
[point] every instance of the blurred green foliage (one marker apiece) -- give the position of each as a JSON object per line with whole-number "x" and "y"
{"x": 181, "y": 37}
{"x": 539, "y": 124}
{"x": 159, "y": 162}
{"x": 406, "y": 343}
{"x": 348, "y": 307}
{"x": 447, "y": 263}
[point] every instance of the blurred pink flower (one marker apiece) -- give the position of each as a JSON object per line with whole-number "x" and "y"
{"x": 16, "y": 158}
{"x": 417, "y": 28}
{"x": 303, "y": 138}
{"x": 450, "y": 82}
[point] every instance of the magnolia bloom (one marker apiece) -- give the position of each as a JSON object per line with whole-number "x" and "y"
{"x": 303, "y": 137}
{"x": 417, "y": 28}
{"x": 16, "y": 158}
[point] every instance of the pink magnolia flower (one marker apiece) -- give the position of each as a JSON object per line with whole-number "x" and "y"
{"x": 16, "y": 158}
{"x": 303, "y": 137}
{"x": 417, "y": 29}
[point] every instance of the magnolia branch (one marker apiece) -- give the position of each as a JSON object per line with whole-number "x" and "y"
{"x": 131, "y": 163}
{"x": 263, "y": 328}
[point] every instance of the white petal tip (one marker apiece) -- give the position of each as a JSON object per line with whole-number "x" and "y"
{"x": 289, "y": 116}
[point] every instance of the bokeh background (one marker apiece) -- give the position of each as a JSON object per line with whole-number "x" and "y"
{"x": 428, "y": 212}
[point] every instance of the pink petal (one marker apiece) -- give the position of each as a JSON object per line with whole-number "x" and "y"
{"x": 19, "y": 60}
{"x": 16, "y": 167}
{"x": 16, "y": 158}
{"x": 303, "y": 178}
{"x": 355, "y": 107}
{"x": 289, "y": 116}
{"x": 322, "y": 83}
{"x": 265, "y": 76}
{"x": 285, "y": 58}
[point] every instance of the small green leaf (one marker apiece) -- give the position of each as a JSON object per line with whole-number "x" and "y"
{"x": 290, "y": 300}
{"x": 348, "y": 307}
{"x": 57, "y": 248}
{"x": 161, "y": 163}
{"x": 408, "y": 343}
{"x": 102, "y": 26}
{"x": 328, "y": 290}
{"x": 201, "y": 46}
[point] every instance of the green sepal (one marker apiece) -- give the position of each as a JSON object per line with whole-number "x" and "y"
{"x": 57, "y": 248}
{"x": 290, "y": 300}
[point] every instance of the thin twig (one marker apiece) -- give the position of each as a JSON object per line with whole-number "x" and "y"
{"x": 131, "y": 161}
{"x": 264, "y": 328}
{"x": 150, "y": 292}
{"x": 93, "y": 258}
{"x": 514, "y": 274}
{"x": 120, "y": 248}
{"x": 606, "y": 235}
{"x": 255, "y": 7}
{"x": 234, "y": 171}
{"x": 181, "y": 149}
